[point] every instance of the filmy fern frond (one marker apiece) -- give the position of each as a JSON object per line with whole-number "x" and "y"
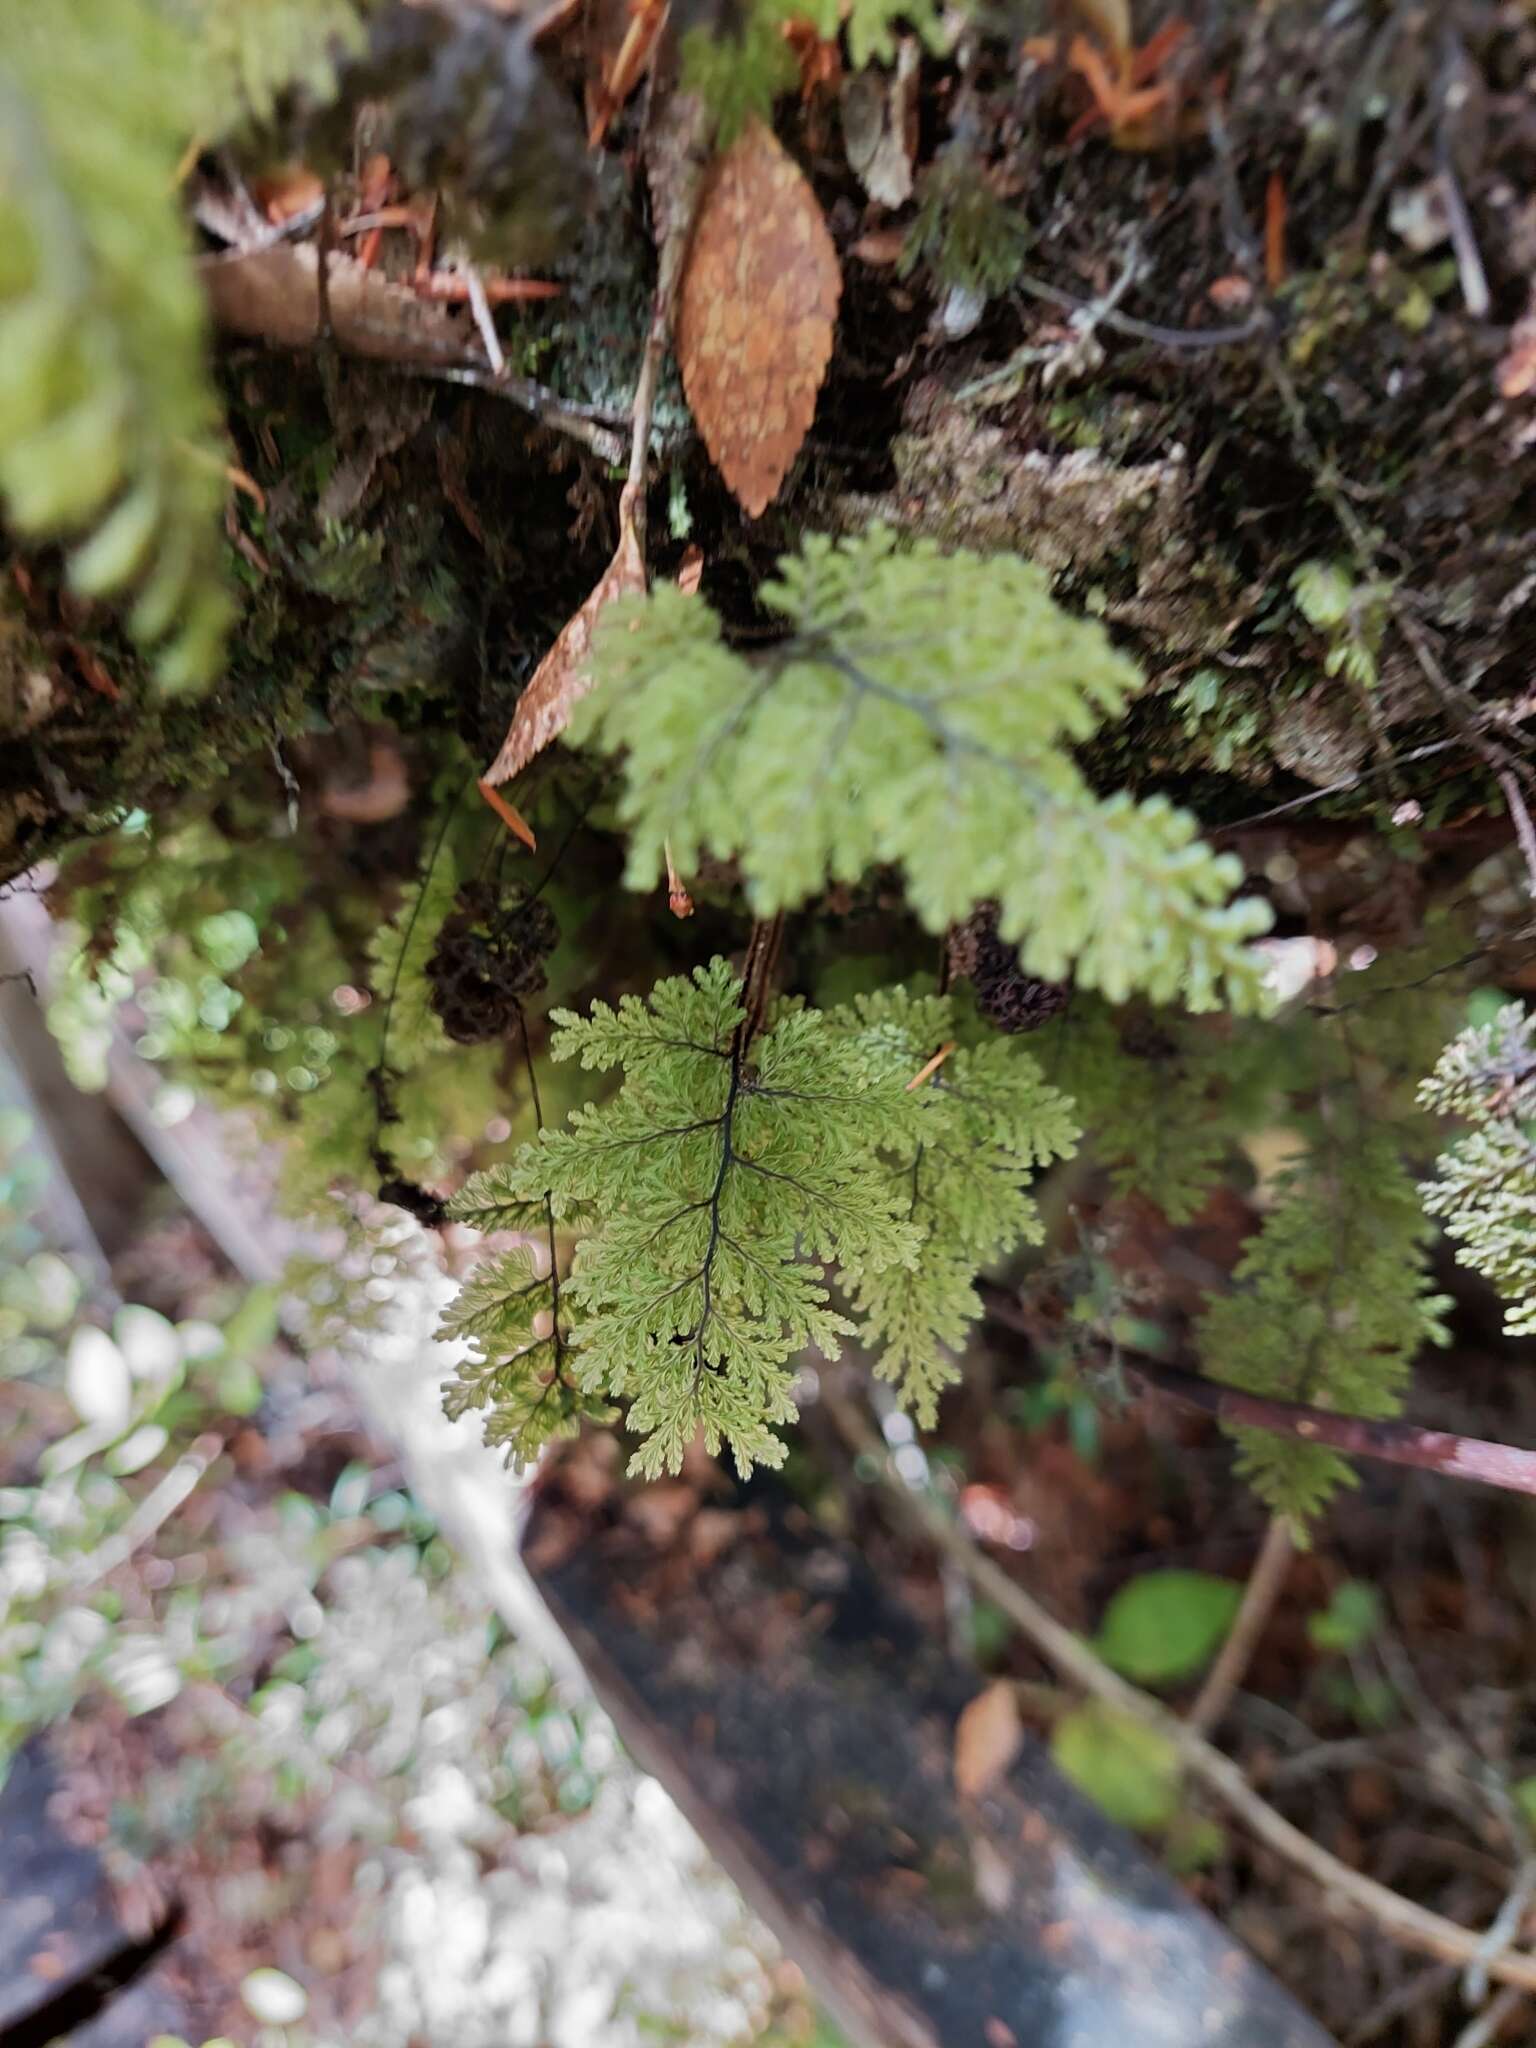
{"x": 254, "y": 51}
{"x": 1332, "y": 1303}
{"x": 985, "y": 1120}
{"x": 723, "y": 1177}
{"x": 108, "y": 420}
{"x": 1157, "y": 1123}
{"x": 1485, "y": 1191}
{"x": 507, "y": 1316}
{"x": 921, "y": 713}
{"x": 722, "y": 1174}
{"x": 740, "y": 70}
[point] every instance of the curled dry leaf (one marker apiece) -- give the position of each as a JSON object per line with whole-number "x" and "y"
{"x": 987, "y": 1738}
{"x": 755, "y": 314}
{"x": 880, "y": 127}
{"x": 565, "y": 673}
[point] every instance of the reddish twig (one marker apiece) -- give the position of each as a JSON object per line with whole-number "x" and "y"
{"x": 1394, "y": 1443}
{"x": 1274, "y": 231}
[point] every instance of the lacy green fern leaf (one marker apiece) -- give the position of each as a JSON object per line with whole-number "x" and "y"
{"x": 720, "y": 1179}
{"x": 920, "y": 713}
{"x": 717, "y": 1170}
{"x": 107, "y": 416}
{"x": 254, "y": 51}
{"x": 740, "y": 71}
{"x": 870, "y": 26}
{"x": 985, "y": 1120}
{"x": 710, "y": 1182}
{"x": 1160, "y": 1125}
{"x": 1486, "y": 1187}
{"x": 507, "y": 1316}
{"x": 968, "y": 237}
{"x": 1332, "y": 1303}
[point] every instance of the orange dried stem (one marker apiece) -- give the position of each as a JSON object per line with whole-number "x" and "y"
{"x": 931, "y": 1067}
{"x": 510, "y": 817}
{"x": 248, "y": 484}
{"x": 1274, "y": 231}
{"x": 679, "y": 902}
{"x": 451, "y": 289}
{"x": 645, "y": 25}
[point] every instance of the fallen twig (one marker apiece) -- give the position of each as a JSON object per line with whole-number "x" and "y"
{"x": 1256, "y": 325}
{"x": 1523, "y": 829}
{"x": 1394, "y": 1443}
{"x": 1487, "y": 2025}
{"x": 1413, "y": 1925}
{"x": 1452, "y": 93}
{"x": 1263, "y": 1589}
{"x": 685, "y": 138}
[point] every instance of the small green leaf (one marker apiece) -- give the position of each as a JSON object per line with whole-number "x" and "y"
{"x": 1194, "y": 1842}
{"x": 1323, "y": 591}
{"x": 1349, "y": 1620}
{"x": 1165, "y": 1626}
{"x": 1128, "y": 1770}
{"x": 1525, "y": 1798}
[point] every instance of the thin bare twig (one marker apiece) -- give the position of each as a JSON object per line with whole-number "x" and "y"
{"x": 576, "y": 422}
{"x": 485, "y": 326}
{"x": 757, "y": 975}
{"x": 1096, "y": 314}
{"x": 1347, "y": 782}
{"x": 1524, "y": 832}
{"x": 671, "y": 259}
{"x": 1486, "y": 2025}
{"x": 1394, "y": 1443}
{"x": 1503, "y": 1929}
{"x": 1265, "y": 1583}
{"x": 1411, "y": 1924}
{"x": 1419, "y": 1988}
{"x": 1451, "y": 95}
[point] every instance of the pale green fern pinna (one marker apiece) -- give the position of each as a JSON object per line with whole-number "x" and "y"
{"x": 713, "y": 1191}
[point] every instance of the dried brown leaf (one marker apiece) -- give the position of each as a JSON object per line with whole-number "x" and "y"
{"x": 880, "y": 127}
{"x": 756, "y": 313}
{"x": 565, "y": 673}
{"x": 987, "y": 1738}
